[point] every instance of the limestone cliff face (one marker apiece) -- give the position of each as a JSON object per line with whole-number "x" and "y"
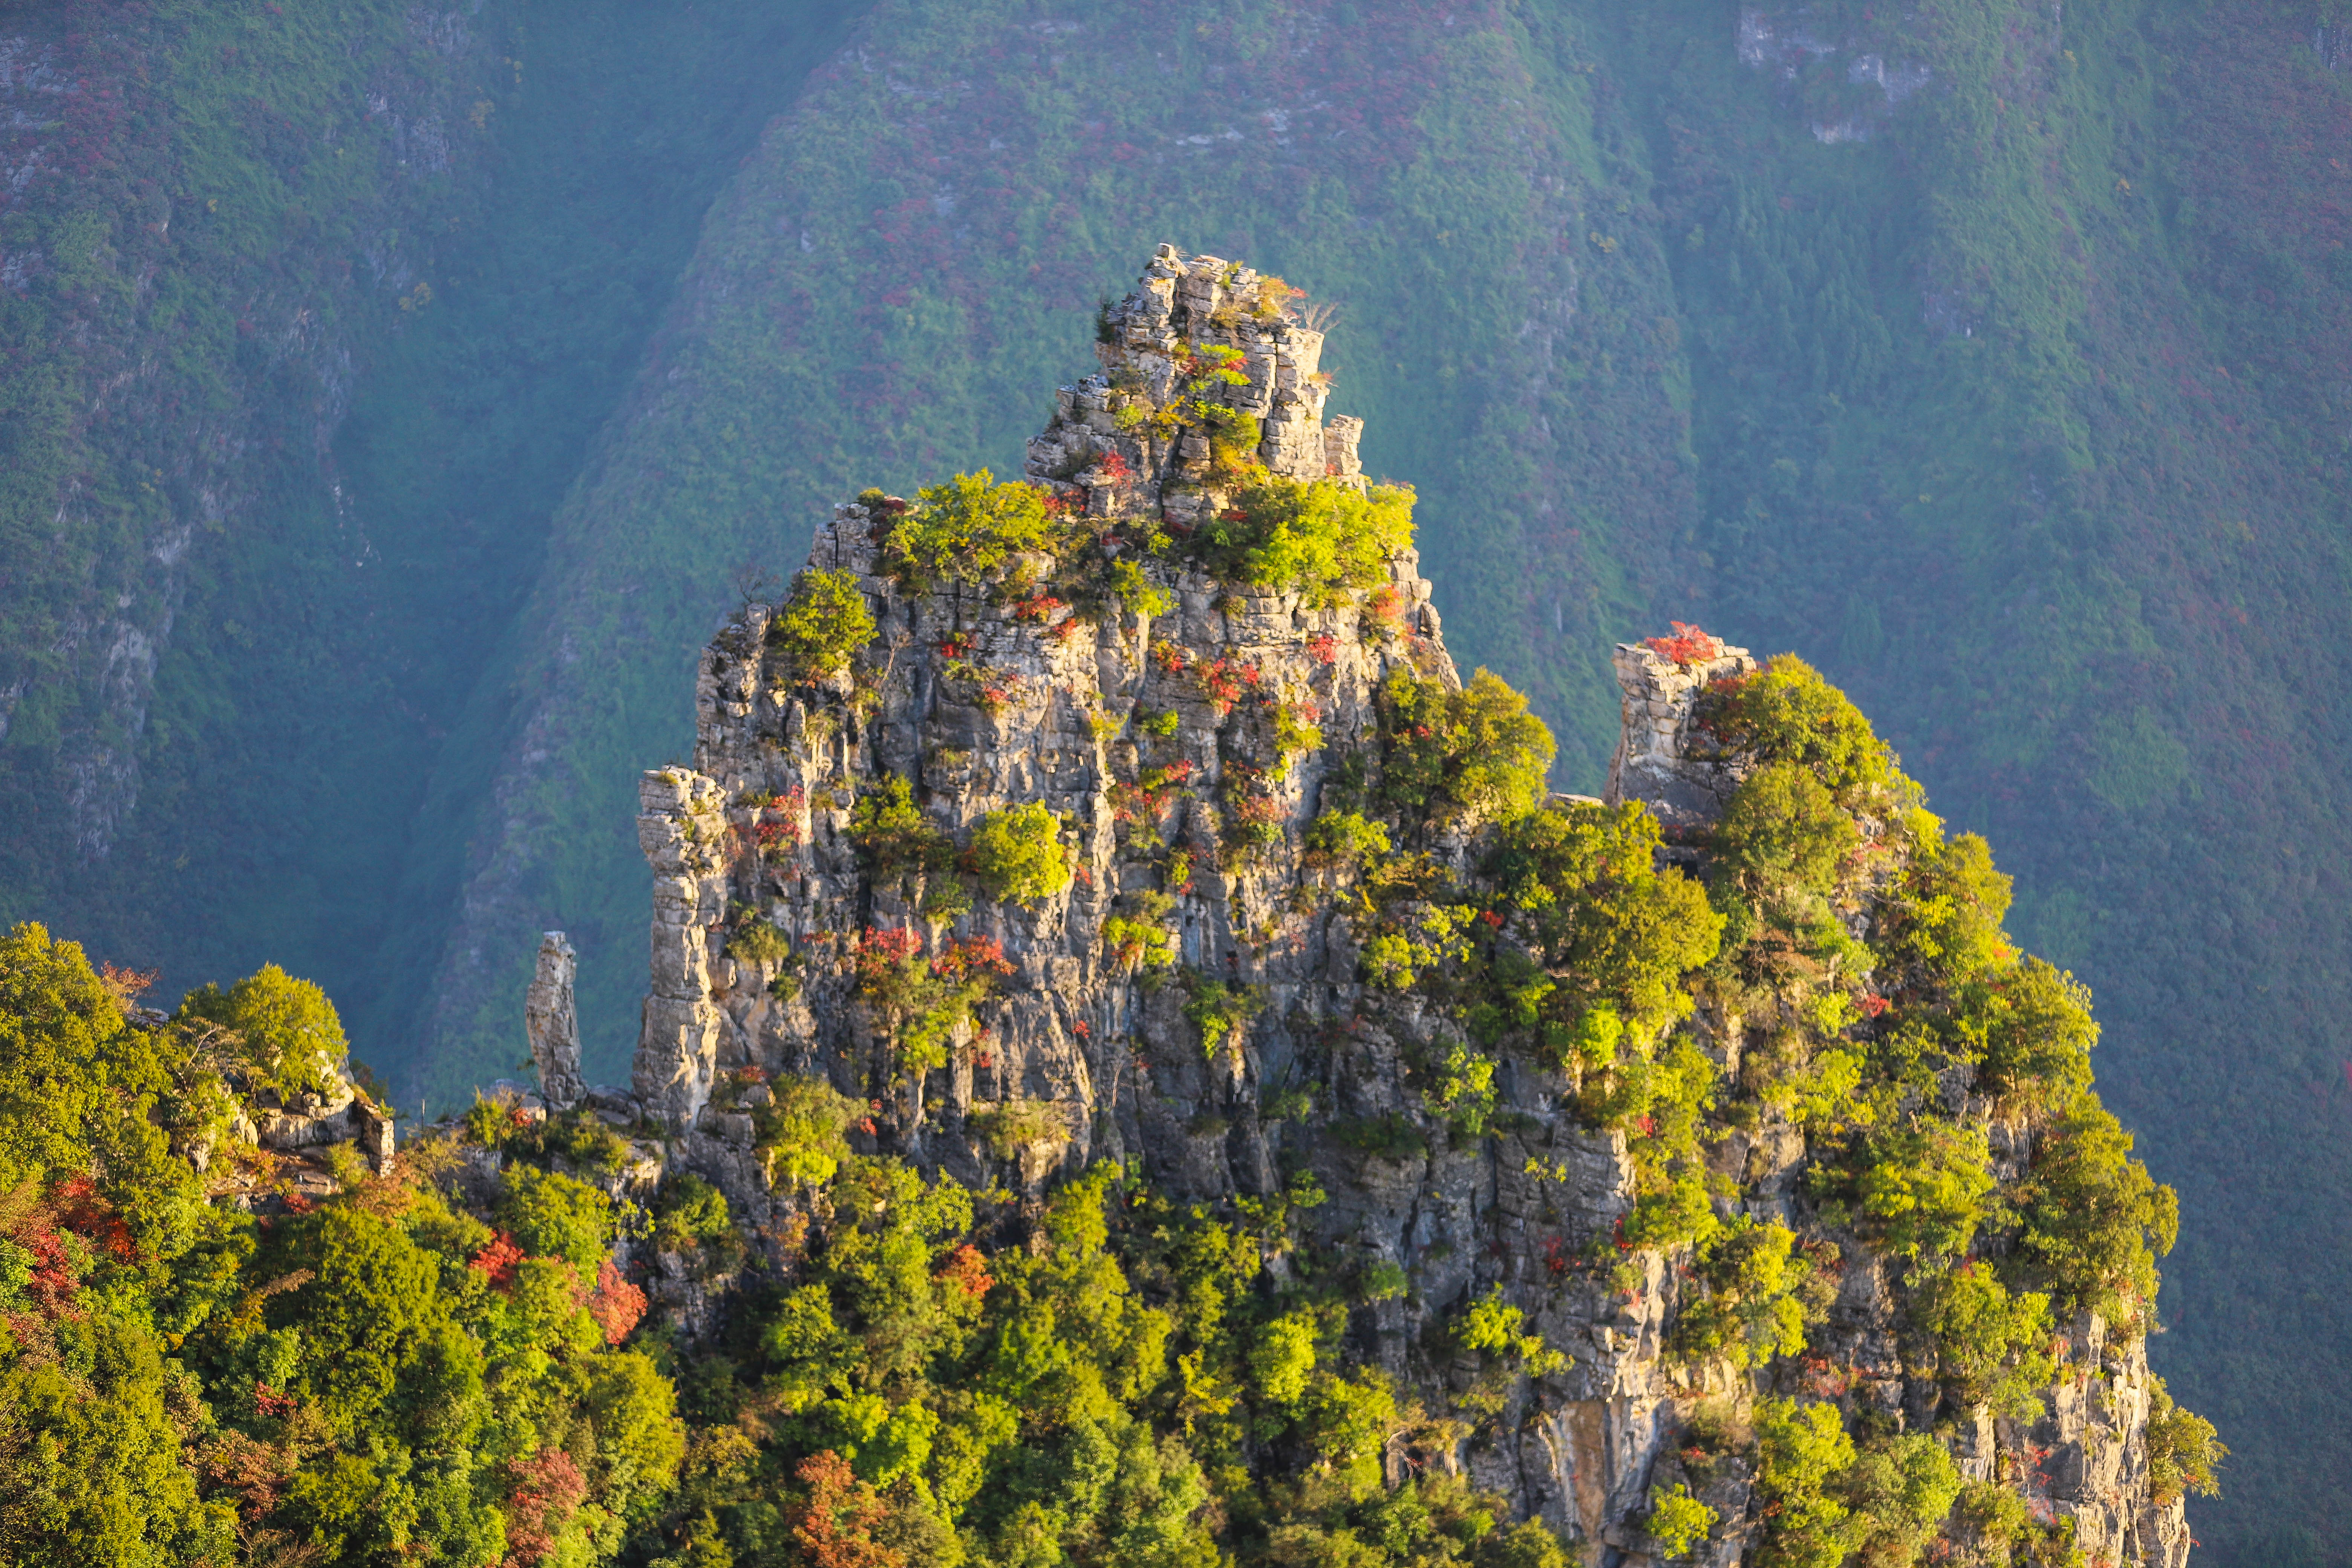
{"x": 984, "y": 698}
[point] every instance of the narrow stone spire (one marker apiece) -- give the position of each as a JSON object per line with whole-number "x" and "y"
{"x": 553, "y": 1022}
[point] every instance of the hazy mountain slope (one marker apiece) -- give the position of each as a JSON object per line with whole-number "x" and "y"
{"x": 210, "y": 213}
{"x": 935, "y": 222}
{"x": 367, "y": 369}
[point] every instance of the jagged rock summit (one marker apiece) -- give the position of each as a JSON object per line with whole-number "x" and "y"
{"x": 1137, "y": 813}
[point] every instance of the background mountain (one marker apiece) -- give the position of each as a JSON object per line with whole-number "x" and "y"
{"x": 391, "y": 394}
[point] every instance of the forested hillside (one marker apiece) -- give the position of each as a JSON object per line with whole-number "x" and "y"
{"x": 388, "y": 392}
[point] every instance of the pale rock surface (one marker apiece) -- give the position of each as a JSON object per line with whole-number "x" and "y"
{"x": 551, "y": 1019}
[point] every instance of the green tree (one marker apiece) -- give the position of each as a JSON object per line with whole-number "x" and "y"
{"x": 1476, "y": 752}
{"x": 823, "y": 624}
{"x": 283, "y": 1031}
{"x": 966, "y": 528}
{"x": 1019, "y": 855}
{"x": 91, "y": 1474}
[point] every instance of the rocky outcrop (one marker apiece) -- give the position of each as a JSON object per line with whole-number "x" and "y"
{"x": 1656, "y": 761}
{"x": 316, "y": 1120}
{"x": 550, "y": 1017}
{"x": 1160, "y": 726}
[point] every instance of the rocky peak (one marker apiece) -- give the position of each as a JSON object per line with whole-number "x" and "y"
{"x": 1137, "y": 813}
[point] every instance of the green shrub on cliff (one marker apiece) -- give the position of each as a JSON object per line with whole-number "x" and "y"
{"x": 1615, "y": 934}
{"x": 895, "y": 835}
{"x": 823, "y": 624}
{"x": 283, "y": 1031}
{"x": 1991, "y": 1346}
{"x": 1019, "y": 855}
{"x": 1316, "y": 537}
{"x": 964, "y": 529}
{"x": 1476, "y": 752}
{"x": 2183, "y": 1450}
{"x": 1785, "y": 713}
{"x": 2094, "y": 1220}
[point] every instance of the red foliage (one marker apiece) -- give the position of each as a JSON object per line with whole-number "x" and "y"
{"x": 496, "y": 1261}
{"x": 1387, "y": 602}
{"x": 548, "y": 1489}
{"x": 1494, "y": 918}
{"x": 955, "y": 645}
{"x": 1872, "y": 1004}
{"x": 882, "y": 949}
{"x": 268, "y": 1402}
{"x": 1220, "y": 682}
{"x": 967, "y": 1270}
{"x": 127, "y": 985}
{"x": 1171, "y": 658}
{"x": 1038, "y": 606}
{"x": 81, "y": 1209}
{"x": 836, "y": 1522}
{"x": 971, "y": 957}
{"x": 615, "y": 1304}
{"x": 1325, "y": 648}
{"x": 1688, "y": 645}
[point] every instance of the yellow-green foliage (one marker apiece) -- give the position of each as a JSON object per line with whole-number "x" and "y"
{"x": 1463, "y": 1090}
{"x": 2094, "y": 1221}
{"x": 1801, "y": 1451}
{"x": 1991, "y": 1346}
{"x": 1344, "y": 838}
{"x": 82, "y": 1091}
{"x": 1415, "y": 942}
{"x": 800, "y": 1130}
{"x": 1496, "y": 1327}
{"x": 690, "y": 1213}
{"x": 1751, "y": 1312}
{"x": 1222, "y": 1011}
{"x": 1901, "y": 1490}
{"x": 755, "y": 939}
{"x": 895, "y": 833}
{"x": 1614, "y": 931}
{"x": 1947, "y": 914}
{"x": 1015, "y": 1124}
{"x": 1659, "y": 1104}
{"x": 1924, "y": 1188}
{"x": 824, "y": 623}
{"x": 1136, "y": 593}
{"x": 921, "y": 1003}
{"x": 1679, "y": 1522}
{"x": 555, "y": 1215}
{"x": 1282, "y": 1359}
{"x": 1318, "y": 537}
{"x": 1784, "y": 833}
{"x": 1827, "y": 1498}
{"x": 1787, "y": 713}
{"x": 2183, "y": 1450}
{"x": 2031, "y": 1030}
{"x": 1019, "y": 855}
{"x": 966, "y": 528}
{"x": 1476, "y": 752}
{"x": 1139, "y": 937}
{"x": 283, "y": 1032}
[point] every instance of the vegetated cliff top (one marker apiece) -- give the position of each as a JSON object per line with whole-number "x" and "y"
{"x": 1697, "y": 1170}
{"x": 1139, "y": 1068}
